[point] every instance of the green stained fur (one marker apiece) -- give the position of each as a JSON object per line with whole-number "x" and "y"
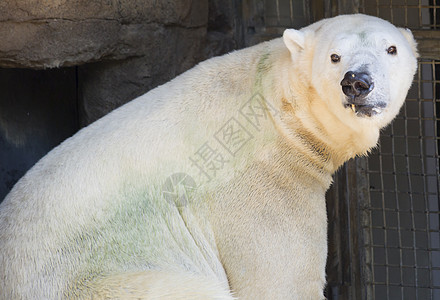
{"x": 263, "y": 67}
{"x": 134, "y": 237}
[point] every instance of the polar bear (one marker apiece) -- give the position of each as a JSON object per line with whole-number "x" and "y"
{"x": 212, "y": 185}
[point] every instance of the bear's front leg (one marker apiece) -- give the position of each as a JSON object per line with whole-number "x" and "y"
{"x": 273, "y": 242}
{"x": 272, "y": 260}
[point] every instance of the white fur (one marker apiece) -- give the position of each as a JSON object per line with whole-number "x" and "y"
{"x": 90, "y": 220}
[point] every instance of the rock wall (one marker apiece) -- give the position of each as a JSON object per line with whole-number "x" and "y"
{"x": 105, "y": 85}
{"x": 123, "y": 47}
{"x": 57, "y": 33}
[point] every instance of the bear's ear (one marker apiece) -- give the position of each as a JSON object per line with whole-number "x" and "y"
{"x": 294, "y": 40}
{"x": 410, "y": 38}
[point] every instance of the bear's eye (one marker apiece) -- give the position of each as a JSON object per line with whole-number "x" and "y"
{"x": 392, "y": 50}
{"x": 335, "y": 58}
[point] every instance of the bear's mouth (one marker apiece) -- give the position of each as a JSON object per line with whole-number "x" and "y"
{"x": 364, "y": 110}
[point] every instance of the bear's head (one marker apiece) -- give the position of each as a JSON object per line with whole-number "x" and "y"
{"x": 361, "y": 67}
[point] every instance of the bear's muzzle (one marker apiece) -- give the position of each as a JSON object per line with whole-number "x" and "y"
{"x": 356, "y": 87}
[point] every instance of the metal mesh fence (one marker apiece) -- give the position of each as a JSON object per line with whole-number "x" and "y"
{"x": 421, "y": 14}
{"x": 285, "y": 13}
{"x": 401, "y": 218}
{"x": 267, "y": 19}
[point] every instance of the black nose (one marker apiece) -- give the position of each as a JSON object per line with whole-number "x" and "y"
{"x": 356, "y": 84}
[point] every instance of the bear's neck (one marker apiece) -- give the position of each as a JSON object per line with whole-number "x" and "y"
{"x": 291, "y": 157}
{"x": 308, "y": 136}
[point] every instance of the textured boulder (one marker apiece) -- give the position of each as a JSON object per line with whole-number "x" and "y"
{"x": 54, "y": 33}
{"x": 103, "y": 86}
